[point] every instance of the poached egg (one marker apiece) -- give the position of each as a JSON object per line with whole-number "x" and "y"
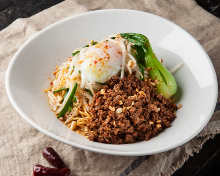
{"x": 98, "y": 63}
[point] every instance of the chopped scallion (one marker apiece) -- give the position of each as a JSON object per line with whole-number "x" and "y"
{"x": 59, "y": 90}
{"x": 75, "y": 52}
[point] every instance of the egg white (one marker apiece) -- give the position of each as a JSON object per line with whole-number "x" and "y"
{"x": 100, "y": 62}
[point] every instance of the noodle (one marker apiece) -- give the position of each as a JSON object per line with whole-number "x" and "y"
{"x": 69, "y": 73}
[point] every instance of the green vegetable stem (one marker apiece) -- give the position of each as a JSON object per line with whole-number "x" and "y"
{"x": 68, "y": 101}
{"x": 59, "y": 90}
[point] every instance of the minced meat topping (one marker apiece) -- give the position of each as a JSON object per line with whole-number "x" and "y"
{"x": 129, "y": 110}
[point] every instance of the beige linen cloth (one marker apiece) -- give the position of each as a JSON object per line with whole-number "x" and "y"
{"x": 21, "y": 144}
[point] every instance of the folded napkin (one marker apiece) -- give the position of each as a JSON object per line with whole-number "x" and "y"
{"x": 21, "y": 144}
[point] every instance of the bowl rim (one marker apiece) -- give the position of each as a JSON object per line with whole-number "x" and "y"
{"x": 90, "y": 148}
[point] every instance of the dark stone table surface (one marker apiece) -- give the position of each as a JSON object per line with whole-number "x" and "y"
{"x": 10, "y": 10}
{"x": 205, "y": 163}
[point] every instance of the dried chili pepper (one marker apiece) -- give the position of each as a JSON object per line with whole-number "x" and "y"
{"x": 40, "y": 170}
{"x": 53, "y": 157}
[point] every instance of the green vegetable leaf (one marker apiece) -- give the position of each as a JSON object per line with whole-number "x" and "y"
{"x": 75, "y": 52}
{"x": 139, "y": 53}
{"x": 136, "y": 39}
{"x": 93, "y": 42}
{"x": 146, "y": 58}
{"x": 86, "y": 46}
{"x": 67, "y": 101}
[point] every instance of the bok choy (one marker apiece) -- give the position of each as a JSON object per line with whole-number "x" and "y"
{"x": 146, "y": 59}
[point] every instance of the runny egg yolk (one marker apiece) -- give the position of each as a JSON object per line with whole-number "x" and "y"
{"x": 101, "y": 61}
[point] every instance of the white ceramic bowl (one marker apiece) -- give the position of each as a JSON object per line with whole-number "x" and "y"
{"x": 28, "y": 72}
